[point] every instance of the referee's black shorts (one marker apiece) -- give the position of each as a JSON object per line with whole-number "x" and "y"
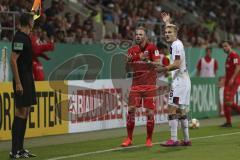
{"x": 28, "y": 97}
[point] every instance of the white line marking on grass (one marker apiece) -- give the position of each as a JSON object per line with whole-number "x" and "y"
{"x": 136, "y": 146}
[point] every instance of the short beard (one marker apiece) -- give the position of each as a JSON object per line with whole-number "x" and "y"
{"x": 137, "y": 42}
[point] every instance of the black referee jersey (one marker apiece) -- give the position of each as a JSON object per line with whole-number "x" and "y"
{"x": 22, "y": 45}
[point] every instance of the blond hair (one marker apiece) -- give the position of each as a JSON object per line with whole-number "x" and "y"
{"x": 175, "y": 27}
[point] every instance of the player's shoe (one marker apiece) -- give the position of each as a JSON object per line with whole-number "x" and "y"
{"x": 127, "y": 142}
{"x": 148, "y": 142}
{"x": 30, "y": 155}
{"x": 19, "y": 155}
{"x": 170, "y": 143}
{"x": 10, "y": 155}
{"x": 185, "y": 143}
{"x": 226, "y": 125}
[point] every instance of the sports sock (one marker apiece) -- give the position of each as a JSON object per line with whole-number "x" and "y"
{"x": 22, "y": 129}
{"x": 16, "y": 132}
{"x": 184, "y": 125}
{"x": 130, "y": 124}
{"x": 150, "y": 126}
{"x": 227, "y": 113}
{"x": 173, "y": 128}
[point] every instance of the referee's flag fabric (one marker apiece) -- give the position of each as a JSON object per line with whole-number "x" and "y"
{"x": 36, "y": 9}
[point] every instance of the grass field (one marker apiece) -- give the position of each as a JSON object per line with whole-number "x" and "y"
{"x": 210, "y": 142}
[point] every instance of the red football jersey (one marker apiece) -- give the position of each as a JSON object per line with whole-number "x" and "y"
{"x": 144, "y": 73}
{"x": 38, "y": 51}
{"x": 232, "y": 61}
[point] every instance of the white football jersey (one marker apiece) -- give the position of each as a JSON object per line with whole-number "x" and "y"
{"x": 181, "y": 84}
{"x": 177, "y": 51}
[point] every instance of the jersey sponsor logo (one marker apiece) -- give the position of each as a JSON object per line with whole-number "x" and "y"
{"x": 156, "y": 52}
{"x": 18, "y": 46}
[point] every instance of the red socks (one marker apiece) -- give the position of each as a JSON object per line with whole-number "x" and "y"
{"x": 227, "y": 113}
{"x": 130, "y": 124}
{"x": 150, "y": 126}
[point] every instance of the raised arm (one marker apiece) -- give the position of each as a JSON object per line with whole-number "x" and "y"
{"x": 166, "y": 18}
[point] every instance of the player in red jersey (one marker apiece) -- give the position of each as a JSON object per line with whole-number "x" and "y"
{"x": 39, "y": 48}
{"x": 143, "y": 84}
{"x": 232, "y": 81}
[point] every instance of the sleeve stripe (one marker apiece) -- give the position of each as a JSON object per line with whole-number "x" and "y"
{"x": 177, "y": 57}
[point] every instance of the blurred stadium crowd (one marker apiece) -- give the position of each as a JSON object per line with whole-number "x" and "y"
{"x": 201, "y": 22}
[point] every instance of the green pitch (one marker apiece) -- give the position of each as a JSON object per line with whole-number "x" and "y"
{"x": 209, "y": 143}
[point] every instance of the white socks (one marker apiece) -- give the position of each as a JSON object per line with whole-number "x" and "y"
{"x": 184, "y": 124}
{"x": 173, "y": 128}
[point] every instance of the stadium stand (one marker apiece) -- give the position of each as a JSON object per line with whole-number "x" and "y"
{"x": 201, "y": 22}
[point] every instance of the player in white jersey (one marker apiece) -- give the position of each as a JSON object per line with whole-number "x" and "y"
{"x": 180, "y": 92}
{"x": 179, "y": 96}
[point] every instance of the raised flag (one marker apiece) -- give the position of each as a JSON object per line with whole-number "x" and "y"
{"x": 36, "y": 9}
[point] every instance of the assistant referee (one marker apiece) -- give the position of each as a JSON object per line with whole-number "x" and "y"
{"x": 23, "y": 85}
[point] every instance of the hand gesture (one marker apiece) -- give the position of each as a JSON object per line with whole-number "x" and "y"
{"x": 19, "y": 89}
{"x": 161, "y": 69}
{"x": 158, "y": 67}
{"x": 128, "y": 58}
{"x": 156, "y": 64}
{"x": 144, "y": 57}
{"x": 166, "y": 17}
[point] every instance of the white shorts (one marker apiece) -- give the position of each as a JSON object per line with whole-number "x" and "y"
{"x": 180, "y": 93}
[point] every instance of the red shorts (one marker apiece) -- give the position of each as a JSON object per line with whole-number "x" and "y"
{"x": 143, "y": 94}
{"x": 229, "y": 92}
